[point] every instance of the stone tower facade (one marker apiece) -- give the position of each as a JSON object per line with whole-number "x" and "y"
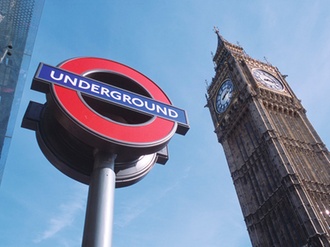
{"x": 279, "y": 165}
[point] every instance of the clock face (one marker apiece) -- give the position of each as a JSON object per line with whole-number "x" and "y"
{"x": 224, "y": 96}
{"x": 267, "y": 79}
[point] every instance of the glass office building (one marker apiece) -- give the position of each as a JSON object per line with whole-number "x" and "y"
{"x": 19, "y": 20}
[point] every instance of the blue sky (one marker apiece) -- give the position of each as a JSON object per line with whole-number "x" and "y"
{"x": 191, "y": 200}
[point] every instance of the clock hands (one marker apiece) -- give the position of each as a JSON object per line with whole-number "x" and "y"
{"x": 226, "y": 96}
{"x": 223, "y": 97}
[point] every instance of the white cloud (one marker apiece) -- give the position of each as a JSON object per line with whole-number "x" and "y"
{"x": 66, "y": 215}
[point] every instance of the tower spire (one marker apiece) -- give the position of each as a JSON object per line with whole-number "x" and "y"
{"x": 216, "y": 30}
{"x": 220, "y": 38}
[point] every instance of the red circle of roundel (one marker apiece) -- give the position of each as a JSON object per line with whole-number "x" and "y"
{"x": 154, "y": 131}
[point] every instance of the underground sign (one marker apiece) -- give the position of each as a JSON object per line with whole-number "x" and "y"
{"x": 95, "y": 103}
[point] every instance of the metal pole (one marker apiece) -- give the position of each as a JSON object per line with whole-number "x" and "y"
{"x": 99, "y": 212}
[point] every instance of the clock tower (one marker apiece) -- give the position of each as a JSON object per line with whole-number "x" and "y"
{"x": 279, "y": 165}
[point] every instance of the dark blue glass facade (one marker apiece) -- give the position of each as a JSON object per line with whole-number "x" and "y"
{"x": 18, "y": 27}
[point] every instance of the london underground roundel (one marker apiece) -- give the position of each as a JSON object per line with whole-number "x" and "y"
{"x": 154, "y": 131}
{"x": 94, "y": 103}
{"x": 118, "y": 129}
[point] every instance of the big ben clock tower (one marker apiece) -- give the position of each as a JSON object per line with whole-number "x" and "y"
{"x": 278, "y": 163}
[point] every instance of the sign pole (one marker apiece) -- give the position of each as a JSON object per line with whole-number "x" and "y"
{"x": 100, "y": 203}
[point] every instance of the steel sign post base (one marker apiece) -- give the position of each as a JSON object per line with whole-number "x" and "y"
{"x": 100, "y": 203}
